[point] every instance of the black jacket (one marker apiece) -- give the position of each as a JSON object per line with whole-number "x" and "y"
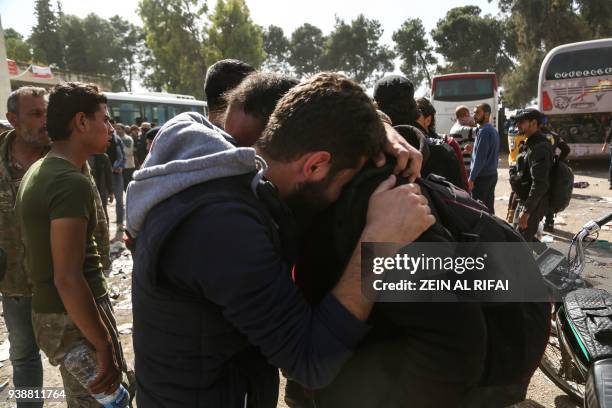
{"x": 215, "y": 308}
{"x": 102, "y": 172}
{"x": 537, "y": 166}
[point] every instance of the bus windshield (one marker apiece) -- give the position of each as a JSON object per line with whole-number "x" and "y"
{"x": 463, "y": 89}
{"x": 580, "y": 63}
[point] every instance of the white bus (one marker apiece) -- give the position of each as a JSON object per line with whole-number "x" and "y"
{"x": 134, "y": 108}
{"x": 466, "y": 88}
{"x": 575, "y": 93}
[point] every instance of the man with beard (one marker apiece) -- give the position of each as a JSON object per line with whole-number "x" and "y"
{"x": 483, "y": 172}
{"x": 534, "y": 171}
{"x": 19, "y": 149}
{"x": 215, "y": 309}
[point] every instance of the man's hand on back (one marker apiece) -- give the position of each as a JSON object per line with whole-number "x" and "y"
{"x": 395, "y": 214}
{"x": 399, "y": 214}
{"x": 409, "y": 159}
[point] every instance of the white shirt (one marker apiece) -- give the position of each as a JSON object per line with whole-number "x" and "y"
{"x": 128, "y": 149}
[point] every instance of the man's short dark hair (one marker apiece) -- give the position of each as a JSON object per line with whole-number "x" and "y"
{"x": 221, "y": 77}
{"x": 426, "y": 109}
{"x": 394, "y": 95}
{"x": 328, "y": 112}
{"x": 151, "y": 133}
{"x": 486, "y": 108}
{"x": 66, "y": 100}
{"x": 258, "y": 94}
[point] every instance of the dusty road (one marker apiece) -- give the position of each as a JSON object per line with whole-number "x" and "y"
{"x": 587, "y": 203}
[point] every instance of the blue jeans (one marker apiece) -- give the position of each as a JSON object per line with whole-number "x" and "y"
{"x": 118, "y": 192}
{"x": 23, "y": 351}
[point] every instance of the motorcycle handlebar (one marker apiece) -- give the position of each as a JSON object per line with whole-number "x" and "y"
{"x": 604, "y": 220}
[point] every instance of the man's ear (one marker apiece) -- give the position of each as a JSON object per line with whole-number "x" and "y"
{"x": 316, "y": 166}
{"x": 79, "y": 122}
{"x": 12, "y": 118}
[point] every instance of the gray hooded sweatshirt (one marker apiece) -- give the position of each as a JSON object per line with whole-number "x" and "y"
{"x": 188, "y": 150}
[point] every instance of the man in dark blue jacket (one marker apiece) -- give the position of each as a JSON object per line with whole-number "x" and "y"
{"x": 216, "y": 312}
{"x": 483, "y": 173}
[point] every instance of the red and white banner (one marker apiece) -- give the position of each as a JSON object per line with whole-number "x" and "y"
{"x": 13, "y": 69}
{"x": 41, "y": 72}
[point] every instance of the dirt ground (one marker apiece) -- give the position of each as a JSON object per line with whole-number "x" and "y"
{"x": 587, "y": 203}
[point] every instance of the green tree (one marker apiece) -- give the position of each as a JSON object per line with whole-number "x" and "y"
{"x": 597, "y": 14}
{"x": 17, "y": 48}
{"x": 415, "y": 51}
{"x": 73, "y": 31}
{"x": 306, "y": 49}
{"x": 173, "y": 58}
{"x": 129, "y": 41}
{"x": 232, "y": 34}
{"x": 541, "y": 25}
{"x": 471, "y": 42}
{"x": 47, "y": 45}
{"x": 521, "y": 85}
{"x": 276, "y": 47}
{"x": 355, "y": 49}
{"x": 94, "y": 45}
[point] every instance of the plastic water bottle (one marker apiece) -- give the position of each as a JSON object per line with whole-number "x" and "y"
{"x": 540, "y": 230}
{"x": 81, "y": 363}
{"x": 119, "y": 399}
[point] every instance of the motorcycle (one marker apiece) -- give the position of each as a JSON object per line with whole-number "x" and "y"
{"x": 578, "y": 358}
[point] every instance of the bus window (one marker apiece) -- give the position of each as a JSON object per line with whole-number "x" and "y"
{"x": 463, "y": 89}
{"x": 124, "y": 112}
{"x": 580, "y": 63}
{"x": 184, "y": 108}
{"x": 199, "y": 109}
{"x": 172, "y": 111}
{"x": 148, "y": 112}
{"x": 114, "y": 111}
{"x": 159, "y": 114}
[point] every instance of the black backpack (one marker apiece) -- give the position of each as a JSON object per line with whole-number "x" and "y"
{"x": 444, "y": 162}
{"x": 438, "y": 156}
{"x": 518, "y": 182}
{"x": 561, "y": 185}
{"x": 452, "y": 354}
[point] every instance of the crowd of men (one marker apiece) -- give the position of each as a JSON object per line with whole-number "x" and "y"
{"x": 216, "y": 211}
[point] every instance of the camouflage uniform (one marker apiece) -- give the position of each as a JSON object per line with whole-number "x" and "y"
{"x": 57, "y": 336}
{"x": 15, "y": 281}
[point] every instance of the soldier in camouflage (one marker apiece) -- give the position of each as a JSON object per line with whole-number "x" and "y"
{"x": 19, "y": 148}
